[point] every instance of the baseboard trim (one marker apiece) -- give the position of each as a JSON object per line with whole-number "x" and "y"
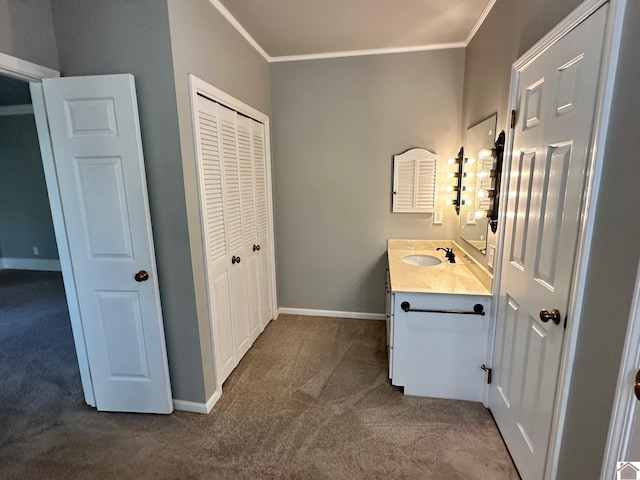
{"x": 203, "y": 408}
{"x": 30, "y": 264}
{"x": 331, "y": 313}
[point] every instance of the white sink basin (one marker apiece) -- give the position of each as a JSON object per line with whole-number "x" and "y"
{"x": 422, "y": 260}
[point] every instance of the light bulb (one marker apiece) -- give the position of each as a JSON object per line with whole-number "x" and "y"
{"x": 451, "y": 161}
{"x": 452, "y": 175}
{"x": 483, "y": 174}
{"x": 480, "y": 214}
{"x": 448, "y": 202}
{"x": 468, "y": 175}
{"x": 469, "y": 161}
{"x": 484, "y": 153}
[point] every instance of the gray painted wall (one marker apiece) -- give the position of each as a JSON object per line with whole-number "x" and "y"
{"x": 205, "y": 44}
{"x": 336, "y": 125}
{"x": 96, "y": 37}
{"x": 512, "y": 27}
{"x": 25, "y": 216}
{"x": 26, "y": 31}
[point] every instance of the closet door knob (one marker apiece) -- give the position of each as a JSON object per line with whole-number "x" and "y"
{"x": 233, "y": 260}
{"x": 141, "y": 276}
{"x": 256, "y": 247}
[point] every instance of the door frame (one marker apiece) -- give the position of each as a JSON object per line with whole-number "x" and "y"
{"x": 33, "y": 73}
{"x": 625, "y": 404}
{"x": 611, "y": 47}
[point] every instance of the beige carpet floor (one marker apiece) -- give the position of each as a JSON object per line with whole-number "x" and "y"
{"x": 310, "y": 400}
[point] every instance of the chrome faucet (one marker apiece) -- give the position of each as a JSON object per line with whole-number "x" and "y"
{"x": 448, "y": 253}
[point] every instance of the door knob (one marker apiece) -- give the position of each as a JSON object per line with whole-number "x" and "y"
{"x": 256, "y": 247}
{"x": 636, "y": 388}
{"x": 141, "y": 276}
{"x": 235, "y": 260}
{"x": 554, "y": 316}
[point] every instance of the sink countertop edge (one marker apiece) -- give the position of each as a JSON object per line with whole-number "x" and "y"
{"x": 445, "y": 278}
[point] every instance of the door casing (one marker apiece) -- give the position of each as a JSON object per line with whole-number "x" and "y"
{"x": 33, "y": 73}
{"x": 594, "y": 169}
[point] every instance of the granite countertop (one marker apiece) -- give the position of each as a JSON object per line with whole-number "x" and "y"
{"x": 446, "y": 278}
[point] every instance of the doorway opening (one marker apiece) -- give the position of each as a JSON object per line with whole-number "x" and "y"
{"x": 39, "y": 374}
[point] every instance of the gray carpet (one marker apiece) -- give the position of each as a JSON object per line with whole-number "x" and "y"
{"x": 39, "y": 378}
{"x": 310, "y": 400}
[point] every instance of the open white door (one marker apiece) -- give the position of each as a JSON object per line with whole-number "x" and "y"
{"x": 95, "y": 135}
{"x": 556, "y": 103}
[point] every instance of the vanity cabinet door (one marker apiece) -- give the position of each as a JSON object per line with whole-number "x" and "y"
{"x": 440, "y": 354}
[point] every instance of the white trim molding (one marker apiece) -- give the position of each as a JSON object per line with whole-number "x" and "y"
{"x": 9, "y": 110}
{"x": 481, "y": 19}
{"x": 236, "y": 24}
{"x": 42, "y": 264}
{"x": 23, "y": 70}
{"x": 348, "y": 53}
{"x": 330, "y": 313}
{"x": 372, "y": 51}
{"x": 194, "y": 407}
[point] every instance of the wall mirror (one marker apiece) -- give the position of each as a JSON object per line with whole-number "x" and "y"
{"x": 477, "y": 183}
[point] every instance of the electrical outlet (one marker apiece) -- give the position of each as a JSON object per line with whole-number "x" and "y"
{"x": 36, "y": 251}
{"x": 437, "y": 217}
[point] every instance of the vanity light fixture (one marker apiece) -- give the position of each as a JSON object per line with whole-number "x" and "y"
{"x": 459, "y": 161}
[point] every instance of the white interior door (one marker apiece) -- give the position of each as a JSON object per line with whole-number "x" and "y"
{"x": 262, "y": 220}
{"x": 95, "y": 136}
{"x": 233, "y": 218}
{"x": 556, "y": 108}
{"x": 249, "y": 237}
{"x": 207, "y": 131}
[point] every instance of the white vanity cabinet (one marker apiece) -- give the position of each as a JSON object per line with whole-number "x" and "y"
{"x": 437, "y": 354}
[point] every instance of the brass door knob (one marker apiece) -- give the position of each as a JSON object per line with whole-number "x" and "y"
{"x": 235, "y": 260}
{"x": 141, "y": 276}
{"x": 554, "y": 316}
{"x": 256, "y": 247}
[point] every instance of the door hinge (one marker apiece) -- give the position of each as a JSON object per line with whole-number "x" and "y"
{"x": 489, "y": 373}
{"x": 513, "y": 119}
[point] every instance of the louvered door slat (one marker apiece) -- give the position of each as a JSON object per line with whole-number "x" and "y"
{"x": 212, "y": 180}
{"x": 246, "y": 181}
{"x": 260, "y": 178}
{"x": 233, "y": 207}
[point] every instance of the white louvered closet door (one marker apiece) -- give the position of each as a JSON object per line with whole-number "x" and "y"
{"x": 249, "y": 236}
{"x": 262, "y": 221}
{"x": 233, "y": 216}
{"x": 218, "y": 258}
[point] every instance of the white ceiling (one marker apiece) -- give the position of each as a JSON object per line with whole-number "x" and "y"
{"x": 319, "y": 28}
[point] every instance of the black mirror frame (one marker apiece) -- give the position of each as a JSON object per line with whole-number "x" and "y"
{"x": 497, "y": 177}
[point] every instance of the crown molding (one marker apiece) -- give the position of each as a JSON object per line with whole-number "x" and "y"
{"x": 372, "y": 51}
{"x": 480, "y": 21}
{"x": 232, "y": 20}
{"x": 349, "y": 53}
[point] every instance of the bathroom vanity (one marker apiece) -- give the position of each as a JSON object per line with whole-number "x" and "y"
{"x": 437, "y": 321}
